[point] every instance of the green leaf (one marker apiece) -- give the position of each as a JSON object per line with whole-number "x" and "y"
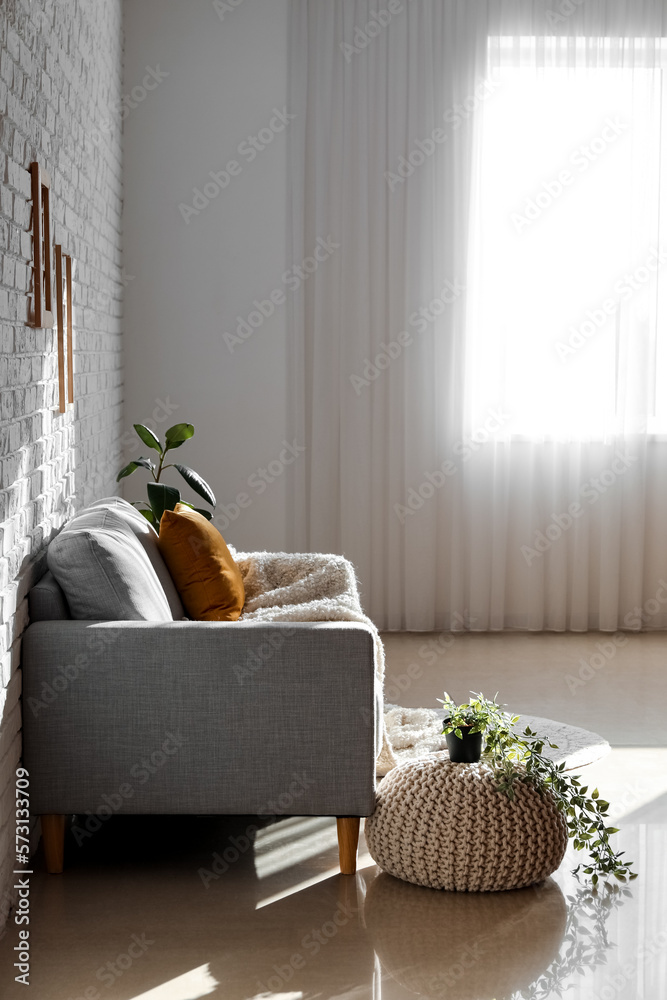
{"x": 195, "y": 481}
{"x": 127, "y": 471}
{"x": 147, "y": 436}
{"x": 611, "y": 829}
{"x": 149, "y": 515}
{"x": 145, "y": 463}
{"x": 177, "y": 434}
{"x": 162, "y": 498}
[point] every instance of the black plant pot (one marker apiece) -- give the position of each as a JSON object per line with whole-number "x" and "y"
{"x": 467, "y": 750}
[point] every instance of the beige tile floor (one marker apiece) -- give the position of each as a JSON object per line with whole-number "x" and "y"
{"x": 140, "y": 913}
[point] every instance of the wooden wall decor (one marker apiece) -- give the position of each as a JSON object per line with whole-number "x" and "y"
{"x": 41, "y": 233}
{"x": 70, "y": 356}
{"x": 64, "y": 322}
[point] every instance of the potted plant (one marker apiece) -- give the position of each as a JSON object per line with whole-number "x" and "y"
{"x": 160, "y": 496}
{"x": 465, "y": 725}
{"x": 517, "y": 758}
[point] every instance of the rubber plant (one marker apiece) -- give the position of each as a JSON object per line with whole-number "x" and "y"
{"x": 516, "y": 757}
{"x": 160, "y": 496}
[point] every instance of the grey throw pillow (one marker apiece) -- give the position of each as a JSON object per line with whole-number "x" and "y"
{"x": 104, "y": 571}
{"x": 147, "y": 535}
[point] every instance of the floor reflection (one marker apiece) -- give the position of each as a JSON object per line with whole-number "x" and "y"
{"x": 236, "y": 908}
{"x": 527, "y": 943}
{"x": 464, "y": 945}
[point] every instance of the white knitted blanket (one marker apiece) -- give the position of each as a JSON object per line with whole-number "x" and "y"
{"x": 416, "y": 733}
{"x": 309, "y": 587}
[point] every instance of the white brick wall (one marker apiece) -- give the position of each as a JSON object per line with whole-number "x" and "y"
{"x": 60, "y": 73}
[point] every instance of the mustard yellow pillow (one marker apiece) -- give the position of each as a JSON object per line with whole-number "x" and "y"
{"x": 206, "y": 576}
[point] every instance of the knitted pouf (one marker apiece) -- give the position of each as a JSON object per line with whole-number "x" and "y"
{"x": 446, "y": 826}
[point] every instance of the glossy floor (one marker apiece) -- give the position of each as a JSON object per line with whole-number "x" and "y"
{"x": 182, "y": 908}
{"x": 614, "y": 685}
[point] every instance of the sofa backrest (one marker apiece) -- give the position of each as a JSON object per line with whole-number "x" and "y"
{"x": 106, "y": 564}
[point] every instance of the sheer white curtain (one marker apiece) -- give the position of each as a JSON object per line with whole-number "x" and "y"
{"x": 478, "y": 474}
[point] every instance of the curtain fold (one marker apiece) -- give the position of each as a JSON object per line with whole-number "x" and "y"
{"x": 421, "y": 465}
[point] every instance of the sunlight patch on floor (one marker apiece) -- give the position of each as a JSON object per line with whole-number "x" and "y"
{"x": 190, "y": 986}
{"x": 365, "y": 861}
{"x": 306, "y": 841}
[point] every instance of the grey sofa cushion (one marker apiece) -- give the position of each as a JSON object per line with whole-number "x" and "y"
{"x": 104, "y": 571}
{"x": 47, "y": 602}
{"x": 147, "y": 535}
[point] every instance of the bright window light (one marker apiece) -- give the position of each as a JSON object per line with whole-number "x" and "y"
{"x": 569, "y": 249}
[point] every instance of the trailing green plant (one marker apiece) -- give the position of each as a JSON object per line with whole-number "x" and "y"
{"x": 585, "y": 943}
{"x": 476, "y": 715}
{"x": 518, "y": 758}
{"x": 160, "y": 496}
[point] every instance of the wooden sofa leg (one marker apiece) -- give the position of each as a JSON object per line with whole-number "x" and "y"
{"x": 53, "y": 836}
{"x": 348, "y": 840}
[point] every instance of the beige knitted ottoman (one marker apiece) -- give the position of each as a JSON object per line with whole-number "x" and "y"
{"x": 446, "y": 826}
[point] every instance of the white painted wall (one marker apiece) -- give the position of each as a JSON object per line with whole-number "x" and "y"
{"x": 188, "y": 281}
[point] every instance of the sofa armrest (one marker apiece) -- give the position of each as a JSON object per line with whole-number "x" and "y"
{"x": 200, "y": 717}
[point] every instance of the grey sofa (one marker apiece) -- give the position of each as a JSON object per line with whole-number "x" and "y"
{"x": 196, "y": 717}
